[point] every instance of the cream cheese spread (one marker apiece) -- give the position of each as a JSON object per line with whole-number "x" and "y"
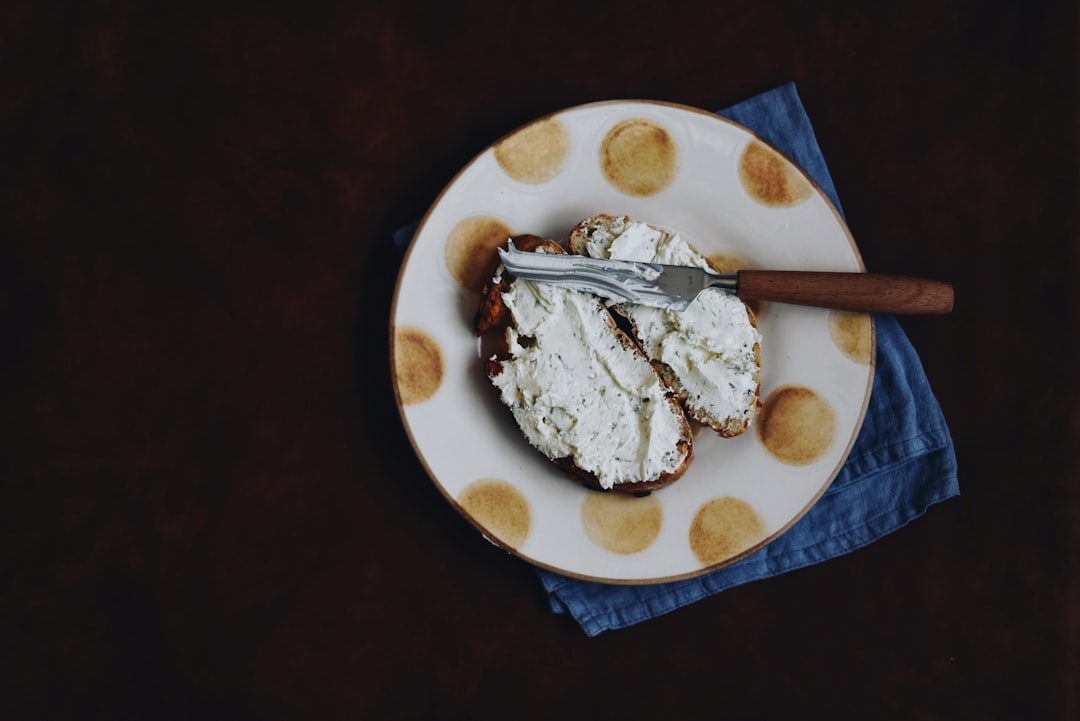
{"x": 577, "y": 391}
{"x": 710, "y": 346}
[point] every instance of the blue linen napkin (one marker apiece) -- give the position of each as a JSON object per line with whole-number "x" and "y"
{"x": 902, "y": 462}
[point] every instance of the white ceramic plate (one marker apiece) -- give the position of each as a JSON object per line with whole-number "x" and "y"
{"x": 733, "y": 198}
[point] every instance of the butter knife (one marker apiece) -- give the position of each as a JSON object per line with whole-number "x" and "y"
{"x": 675, "y": 286}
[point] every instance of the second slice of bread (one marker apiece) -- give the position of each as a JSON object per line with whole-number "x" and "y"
{"x": 709, "y": 353}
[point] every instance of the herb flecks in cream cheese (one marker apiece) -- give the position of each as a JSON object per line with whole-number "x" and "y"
{"x": 577, "y": 391}
{"x": 710, "y": 346}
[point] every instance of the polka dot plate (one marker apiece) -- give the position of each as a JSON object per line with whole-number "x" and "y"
{"x": 734, "y": 198}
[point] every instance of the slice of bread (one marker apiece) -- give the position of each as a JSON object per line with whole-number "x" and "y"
{"x": 580, "y": 389}
{"x": 709, "y": 353}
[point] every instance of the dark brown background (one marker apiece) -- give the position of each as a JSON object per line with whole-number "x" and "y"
{"x": 209, "y": 505}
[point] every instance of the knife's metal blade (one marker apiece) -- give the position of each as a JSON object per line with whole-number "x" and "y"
{"x": 663, "y": 286}
{"x": 685, "y": 282}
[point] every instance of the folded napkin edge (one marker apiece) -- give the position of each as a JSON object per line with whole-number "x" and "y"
{"x": 615, "y": 617}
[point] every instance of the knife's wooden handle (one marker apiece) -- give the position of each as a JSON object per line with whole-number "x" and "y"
{"x": 863, "y": 292}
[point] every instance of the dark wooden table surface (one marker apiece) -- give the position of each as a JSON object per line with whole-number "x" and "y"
{"x": 210, "y": 507}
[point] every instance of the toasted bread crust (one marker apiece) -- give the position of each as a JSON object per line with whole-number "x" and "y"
{"x": 584, "y": 230}
{"x": 492, "y": 314}
{"x": 492, "y": 321}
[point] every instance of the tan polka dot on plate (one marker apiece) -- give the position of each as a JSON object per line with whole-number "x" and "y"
{"x": 418, "y": 364}
{"x": 534, "y": 154}
{"x": 620, "y": 522}
{"x": 851, "y": 334}
{"x": 723, "y": 528}
{"x": 639, "y": 157}
{"x": 724, "y": 263}
{"x": 796, "y": 425}
{"x": 500, "y": 508}
{"x": 470, "y": 249}
{"x": 770, "y": 178}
